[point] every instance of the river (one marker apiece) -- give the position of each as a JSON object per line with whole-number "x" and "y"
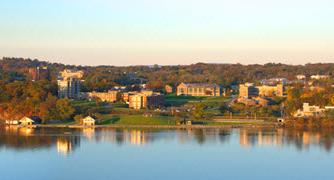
{"x": 106, "y": 153}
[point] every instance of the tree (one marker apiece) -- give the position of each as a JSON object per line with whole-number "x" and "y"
{"x": 47, "y": 110}
{"x": 78, "y": 118}
{"x": 224, "y": 108}
{"x": 332, "y": 99}
{"x": 64, "y": 109}
{"x": 198, "y": 112}
{"x": 293, "y": 102}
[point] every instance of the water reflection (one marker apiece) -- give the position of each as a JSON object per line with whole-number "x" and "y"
{"x": 66, "y": 141}
{"x": 65, "y": 145}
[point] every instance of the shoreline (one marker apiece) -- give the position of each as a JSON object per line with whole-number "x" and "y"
{"x": 270, "y": 125}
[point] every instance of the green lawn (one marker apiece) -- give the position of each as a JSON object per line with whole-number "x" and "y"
{"x": 174, "y": 100}
{"x": 63, "y": 123}
{"x": 137, "y": 120}
{"x": 83, "y": 103}
{"x": 231, "y": 123}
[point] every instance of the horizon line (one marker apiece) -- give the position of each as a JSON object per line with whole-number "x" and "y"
{"x": 199, "y": 62}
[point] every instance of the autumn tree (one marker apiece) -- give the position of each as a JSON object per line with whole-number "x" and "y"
{"x": 64, "y": 109}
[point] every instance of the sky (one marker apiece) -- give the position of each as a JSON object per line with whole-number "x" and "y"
{"x": 168, "y": 32}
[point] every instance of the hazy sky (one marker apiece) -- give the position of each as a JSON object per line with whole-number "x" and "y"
{"x": 130, "y": 32}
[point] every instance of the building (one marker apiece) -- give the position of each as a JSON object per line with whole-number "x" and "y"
{"x": 169, "y": 89}
{"x": 155, "y": 100}
{"x": 137, "y": 101}
{"x": 38, "y": 73}
{"x": 88, "y": 121}
{"x": 148, "y": 92}
{"x": 12, "y": 122}
{"x": 110, "y": 96}
{"x": 274, "y": 81}
{"x": 146, "y": 99}
{"x": 69, "y": 84}
{"x": 301, "y": 77}
{"x": 319, "y": 77}
{"x": 277, "y": 90}
{"x": 25, "y": 121}
{"x": 126, "y": 96}
{"x": 248, "y": 90}
{"x": 198, "y": 89}
{"x": 119, "y": 88}
{"x": 309, "y": 111}
{"x": 312, "y": 111}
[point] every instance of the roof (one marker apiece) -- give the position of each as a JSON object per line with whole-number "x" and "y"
{"x": 25, "y": 119}
{"x": 88, "y": 118}
{"x": 200, "y": 85}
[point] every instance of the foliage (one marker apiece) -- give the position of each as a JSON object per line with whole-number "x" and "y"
{"x": 78, "y": 118}
{"x": 21, "y": 97}
{"x": 198, "y": 111}
{"x": 138, "y": 120}
{"x": 64, "y": 109}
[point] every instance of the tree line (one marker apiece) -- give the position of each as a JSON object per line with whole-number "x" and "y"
{"x": 20, "y": 96}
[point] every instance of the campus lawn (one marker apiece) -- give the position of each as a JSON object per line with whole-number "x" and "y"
{"x": 83, "y": 103}
{"x": 63, "y": 123}
{"x": 231, "y": 123}
{"x": 137, "y": 120}
{"x": 174, "y": 100}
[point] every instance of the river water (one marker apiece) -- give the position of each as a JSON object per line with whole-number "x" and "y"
{"x": 60, "y": 154}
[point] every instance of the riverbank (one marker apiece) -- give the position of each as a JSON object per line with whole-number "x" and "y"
{"x": 222, "y": 126}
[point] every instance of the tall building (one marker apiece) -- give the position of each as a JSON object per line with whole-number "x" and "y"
{"x": 38, "y": 73}
{"x": 198, "y": 89}
{"x": 137, "y": 101}
{"x": 248, "y": 90}
{"x": 69, "y": 84}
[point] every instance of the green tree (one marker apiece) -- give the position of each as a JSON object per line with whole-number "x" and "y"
{"x": 64, "y": 109}
{"x": 198, "y": 112}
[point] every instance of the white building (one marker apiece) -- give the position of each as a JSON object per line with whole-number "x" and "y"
{"x": 318, "y": 77}
{"x": 12, "y": 122}
{"x": 88, "y": 121}
{"x": 301, "y": 77}
{"x": 25, "y": 121}
{"x": 310, "y": 111}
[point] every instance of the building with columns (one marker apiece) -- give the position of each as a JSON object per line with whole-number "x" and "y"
{"x": 198, "y": 89}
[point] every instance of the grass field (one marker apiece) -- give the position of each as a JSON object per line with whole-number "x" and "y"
{"x": 63, "y": 123}
{"x": 174, "y": 100}
{"x": 137, "y": 120}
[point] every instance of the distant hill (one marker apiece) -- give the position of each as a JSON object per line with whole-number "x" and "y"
{"x": 103, "y": 77}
